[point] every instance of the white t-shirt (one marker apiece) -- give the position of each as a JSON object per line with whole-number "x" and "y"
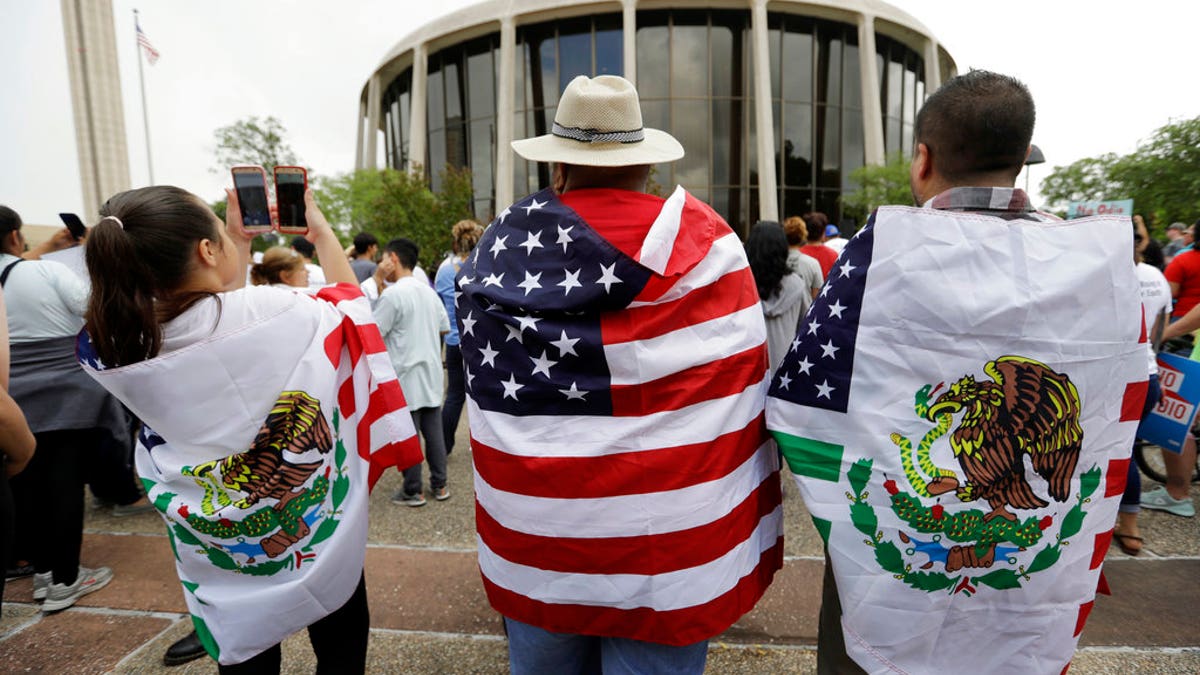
{"x": 1156, "y": 298}
{"x": 45, "y": 300}
{"x": 411, "y": 318}
{"x": 371, "y": 289}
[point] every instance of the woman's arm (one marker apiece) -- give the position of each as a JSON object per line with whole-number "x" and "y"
{"x": 241, "y": 238}
{"x": 16, "y": 440}
{"x": 333, "y": 260}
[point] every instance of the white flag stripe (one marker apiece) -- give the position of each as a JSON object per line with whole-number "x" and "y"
{"x": 727, "y": 256}
{"x": 391, "y": 428}
{"x": 595, "y": 436}
{"x": 676, "y": 351}
{"x": 662, "y": 592}
{"x": 625, "y": 515}
{"x": 660, "y": 240}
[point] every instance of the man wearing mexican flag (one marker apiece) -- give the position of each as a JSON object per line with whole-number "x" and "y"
{"x": 958, "y": 405}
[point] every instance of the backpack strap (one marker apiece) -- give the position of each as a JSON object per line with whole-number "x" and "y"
{"x": 4, "y": 274}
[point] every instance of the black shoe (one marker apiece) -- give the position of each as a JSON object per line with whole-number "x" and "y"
{"x": 184, "y": 650}
{"x": 18, "y": 572}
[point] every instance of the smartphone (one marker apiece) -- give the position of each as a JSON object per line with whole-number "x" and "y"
{"x": 74, "y": 224}
{"x": 251, "y": 185}
{"x": 290, "y": 184}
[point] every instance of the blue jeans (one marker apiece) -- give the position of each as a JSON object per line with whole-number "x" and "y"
{"x": 1131, "y": 501}
{"x": 532, "y": 650}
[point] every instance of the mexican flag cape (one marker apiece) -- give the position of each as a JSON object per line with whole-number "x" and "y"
{"x": 958, "y": 408}
{"x": 261, "y": 441}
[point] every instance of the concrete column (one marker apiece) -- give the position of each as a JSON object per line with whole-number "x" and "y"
{"x": 768, "y": 194}
{"x": 91, "y": 45}
{"x": 373, "y": 114}
{"x": 417, "y": 134}
{"x": 360, "y": 139}
{"x": 629, "y": 38}
{"x": 933, "y": 67}
{"x": 505, "y": 118}
{"x": 872, "y": 106}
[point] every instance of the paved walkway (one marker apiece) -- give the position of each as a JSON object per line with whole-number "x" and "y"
{"x": 429, "y": 613}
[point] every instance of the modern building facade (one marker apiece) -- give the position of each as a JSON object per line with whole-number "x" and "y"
{"x": 774, "y": 102}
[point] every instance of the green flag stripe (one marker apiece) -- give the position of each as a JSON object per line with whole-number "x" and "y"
{"x": 823, "y": 527}
{"x": 206, "y": 637}
{"x": 809, "y": 457}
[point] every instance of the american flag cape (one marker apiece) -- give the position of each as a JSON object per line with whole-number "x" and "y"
{"x": 259, "y": 448}
{"x": 940, "y": 342}
{"x": 624, "y": 482}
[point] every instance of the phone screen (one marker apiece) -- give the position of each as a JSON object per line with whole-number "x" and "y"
{"x": 289, "y": 196}
{"x": 74, "y": 224}
{"x": 252, "y": 198}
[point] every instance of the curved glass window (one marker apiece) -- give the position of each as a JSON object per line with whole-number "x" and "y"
{"x": 901, "y": 92}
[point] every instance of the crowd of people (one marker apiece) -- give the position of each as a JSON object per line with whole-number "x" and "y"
{"x": 633, "y": 374}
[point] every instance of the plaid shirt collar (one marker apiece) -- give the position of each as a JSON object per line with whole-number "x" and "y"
{"x": 1011, "y": 200}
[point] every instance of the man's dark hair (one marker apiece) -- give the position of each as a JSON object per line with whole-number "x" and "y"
{"x": 304, "y": 247}
{"x": 815, "y": 221}
{"x": 406, "y": 251}
{"x": 9, "y": 220}
{"x": 977, "y": 124}
{"x": 364, "y": 241}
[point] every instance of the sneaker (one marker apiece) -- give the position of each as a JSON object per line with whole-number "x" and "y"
{"x": 408, "y": 500}
{"x": 1160, "y": 500}
{"x": 41, "y": 584}
{"x": 441, "y": 494}
{"x": 19, "y": 572}
{"x": 62, "y": 596}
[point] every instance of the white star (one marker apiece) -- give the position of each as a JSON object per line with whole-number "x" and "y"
{"x": 465, "y": 280}
{"x": 470, "y": 377}
{"x": 795, "y": 344}
{"x": 784, "y": 381}
{"x": 812, "y": 327}
{"x": 565, "y": 345}
{"x": 531, "y": 242}
{"x": 824, "y": 389}
{"x": 489, "y": 355}
{"x": 571, "y": 280}
{"x": 514, "y": 333}
{"x": 498, "y": 246}
{"x": 828, "y": 349}
{"x": 469, "y": 323}
{"x": 531, "y": 282}
{"x": 493, "y": 307}
{"x": 563, "y": 237}
{"x": 543, "y": 364}
{"x": 527, "y": 322}
{"x": 846, "y": 268}
{"x": 504, "y": 214}
{"x": 534, "y": 206}
{"x": 493, "y": 280}
{"x": 608, "y": 278}
{"x": 824, "y": 290}
{"x": 804, "y": 365}
{"x": 511, "y": 387}
{"x": 574, "y": 393}
{"x": 836, "y": 309}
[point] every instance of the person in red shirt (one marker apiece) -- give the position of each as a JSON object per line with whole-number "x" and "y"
{"x": 816, "y": 222}
{"x": 1184, "y": 276}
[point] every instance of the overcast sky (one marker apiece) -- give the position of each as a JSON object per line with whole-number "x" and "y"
{"x": 1104, "y": 76}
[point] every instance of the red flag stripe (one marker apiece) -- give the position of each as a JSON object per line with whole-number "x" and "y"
{"x": 705, "y": 382}
{"x": 625, "y": 473}
{"x": 1115, "y": 477}
{"x": 647, "y": 554}
{"x": 1084, "y": 610}
{"x": 1134, "y": 400}
{"x": 1100, "y": 548}
{"x": 732, "y": 292}
{"x": 677, "y": 627}
{"x": 339, "y": 292}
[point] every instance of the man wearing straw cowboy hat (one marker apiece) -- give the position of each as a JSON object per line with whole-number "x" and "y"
{"x": 628, "y": 499}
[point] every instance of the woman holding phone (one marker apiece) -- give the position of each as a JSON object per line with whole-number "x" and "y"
{"x": 255, "y": 402}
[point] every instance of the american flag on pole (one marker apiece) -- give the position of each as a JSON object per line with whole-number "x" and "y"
{"x": 957, "y": 409}
{"x": 260, "y": 460}
{"x": 147, "y": 48}
{"x": 624, "y": 482}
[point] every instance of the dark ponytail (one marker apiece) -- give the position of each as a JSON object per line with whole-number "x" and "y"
{"x": 138, "y": 256}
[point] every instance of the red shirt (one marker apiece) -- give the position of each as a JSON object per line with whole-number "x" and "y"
{"x": 824, "y": 255}
{"x": 622, "y": 217}
{"x": 1184, "y": 270}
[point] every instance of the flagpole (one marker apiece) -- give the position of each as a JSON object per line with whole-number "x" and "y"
{"x": 142, "y": 83}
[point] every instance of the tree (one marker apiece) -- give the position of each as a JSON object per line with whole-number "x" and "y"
{"x": 878, "y": 186}
{"x": 391, "y": 203}
{"x": 253, "y": 140}
{"x": 1162, "y": 176}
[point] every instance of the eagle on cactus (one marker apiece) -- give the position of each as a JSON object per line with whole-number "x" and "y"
{"x": 1027, "y": 409}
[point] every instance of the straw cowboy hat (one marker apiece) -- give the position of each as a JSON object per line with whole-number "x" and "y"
{"x": 599, "y": 123}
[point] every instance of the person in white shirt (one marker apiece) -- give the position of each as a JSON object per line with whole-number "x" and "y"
{"x": 413, "y": 320}
{"x": 316, "y": 277}
{"x": 833, "y": 238}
